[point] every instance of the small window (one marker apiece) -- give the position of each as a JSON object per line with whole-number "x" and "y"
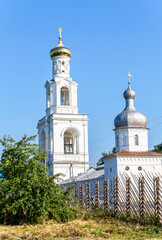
{"x": 139, "y": 168}
{"x": 51, "y": 141}
{"x": 71, "y": 171}
{"x": 43, "y": 142}
{"x": 124, "y": 140}
{"x": 127, "y": 168}
{"x": 110, "y": 169}
{"x": 136, "y": 140}
{"x": 63, "y": 63}
{"x": 48, "y": 98}
{"x": 117, "y": 141}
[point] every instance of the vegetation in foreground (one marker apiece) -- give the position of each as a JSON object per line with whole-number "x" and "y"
{"x": 93, "y": 228}
{"x": 28, "y": 194}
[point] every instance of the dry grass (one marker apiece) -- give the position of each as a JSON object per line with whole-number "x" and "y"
{"x": 109, "y": 228}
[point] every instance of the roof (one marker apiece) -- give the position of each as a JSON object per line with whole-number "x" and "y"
{"x": 88, "y": 175}
{"x": 133, "y": 153}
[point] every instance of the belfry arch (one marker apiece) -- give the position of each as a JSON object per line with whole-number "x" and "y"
{"x": 64, "y": 95}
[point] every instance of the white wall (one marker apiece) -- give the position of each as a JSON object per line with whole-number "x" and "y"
{"x": 110, "y": 168}
{"x": 151, "y": 164}
{"x": 120, "y": 164}
{"x": 129, "y": 135}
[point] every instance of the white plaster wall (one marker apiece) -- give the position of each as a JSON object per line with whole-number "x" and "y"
{"x": 120, "y": 133}
{"x": 65, "y": 169}
{"x": 57, "y": 160}
{"x": 54, "y": 87}
{"x": 59, "y": 118}
{"x": 143, "y": 139}
{"x": 129, "y": 134}
{"x": 58, "y": 68}
{"x": 110, "y": 163}
{"x": 149, "y": 164}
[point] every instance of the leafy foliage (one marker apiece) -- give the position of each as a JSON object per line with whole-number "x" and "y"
{"x": 28, "y": 194}
{"x": 104, "y": 154}
{"x": 158, "y": 148}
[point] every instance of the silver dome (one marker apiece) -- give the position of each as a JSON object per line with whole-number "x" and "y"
{"x": 130, "y": 117}
{"x": 129, "y": 93}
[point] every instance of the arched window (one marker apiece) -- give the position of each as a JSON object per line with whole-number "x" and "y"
{"x": 70, "y": 142}
{"x": 136, "y": 141}
{"x": 48, "y": 98}
{"x": 51, "y": 141}
{"x": 64, "y": 96}
{"x": 71, "y": 171}
{"x": 43, "y": 140}
{"x": 124, "y": 140}
{"x": 117, "y": 141}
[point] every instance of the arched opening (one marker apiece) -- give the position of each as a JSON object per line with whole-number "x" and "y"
{"x": 70, "y": 142}
{"x": 48, "y": 98}
{"x": 117, "y": 141}
{"x": 124, "y": 140}
{"x": 136, "y": 140}
{"x": 64, "y": 96}
{"x": 51, "y": 141}
{"x": 43, "y": 141}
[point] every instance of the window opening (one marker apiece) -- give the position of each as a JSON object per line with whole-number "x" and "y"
{"x": 136, "y": 140}
{"x": 64, "y": 96}
{"x": 51, "y": 141}
{"x": 43, "y": 142}
{"x": 48, "y": 98}
{"x": 68, "y": 143}
{"x": 117, "y": 141}
{"x": 124, "y": 140}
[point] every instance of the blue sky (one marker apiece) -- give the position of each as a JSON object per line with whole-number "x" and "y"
{"x": 107, "y": 38}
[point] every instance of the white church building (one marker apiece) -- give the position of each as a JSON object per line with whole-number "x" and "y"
{"x": 132, "y": 157}
{"x": 131, "y": 142}
{"x": 63, "y": 133}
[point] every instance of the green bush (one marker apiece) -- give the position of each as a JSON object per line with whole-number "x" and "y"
{"x": 28, "y": 194}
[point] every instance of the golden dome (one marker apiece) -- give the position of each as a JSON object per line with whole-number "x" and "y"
{"x": 60, "y": 50}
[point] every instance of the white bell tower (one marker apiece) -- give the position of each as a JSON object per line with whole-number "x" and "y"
{"x": 63, "y": 133}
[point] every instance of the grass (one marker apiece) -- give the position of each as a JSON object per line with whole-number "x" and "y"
{"x": 92, "y": 228}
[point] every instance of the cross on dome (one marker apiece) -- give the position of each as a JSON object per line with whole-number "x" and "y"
{"x": 129, "y": 76}
{"x": 60, "y": 31}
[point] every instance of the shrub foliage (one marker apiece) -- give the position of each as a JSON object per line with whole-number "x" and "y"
{"x": 28, "y": 194}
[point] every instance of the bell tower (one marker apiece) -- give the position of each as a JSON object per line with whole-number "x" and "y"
{"x": 63, "y": 133}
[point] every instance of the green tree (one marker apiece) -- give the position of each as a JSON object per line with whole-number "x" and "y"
{"x": 104, "y": 154}
{"x": 28, "y": 194}
{"x": 158, "y": 148}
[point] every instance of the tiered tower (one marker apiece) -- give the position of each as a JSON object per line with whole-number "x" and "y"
{"x": 63, "y": 133}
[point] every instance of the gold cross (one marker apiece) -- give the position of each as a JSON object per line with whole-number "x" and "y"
{"x": 60, "y": 31}
{"x": 129, "y": 75}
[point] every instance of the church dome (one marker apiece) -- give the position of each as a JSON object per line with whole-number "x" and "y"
{"x": 130, "y": 117}
{"x": 129, "y": 93}
{"x": 60, "y": 49}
